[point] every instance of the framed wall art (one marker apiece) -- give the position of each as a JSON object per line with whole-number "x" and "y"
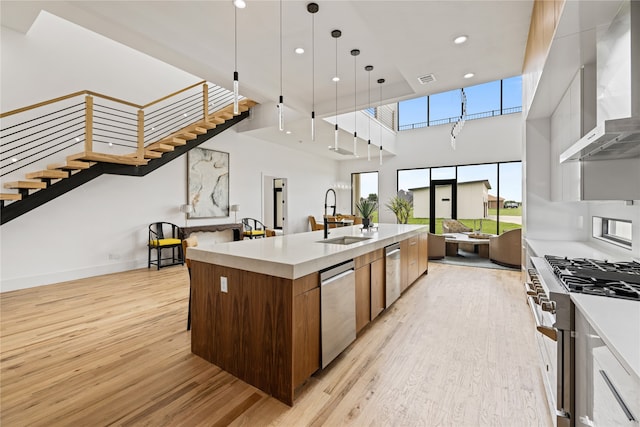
{"x": 208, "y": 182}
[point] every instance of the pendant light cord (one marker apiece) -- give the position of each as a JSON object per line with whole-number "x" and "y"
{"x": 336, "y": 76}
{"x": 235, "y": 36}
{"x": 313, "y": 63}
{"x": 281, "y": 49}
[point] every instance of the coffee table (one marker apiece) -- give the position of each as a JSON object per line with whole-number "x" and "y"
{"x": 479, "y": 242}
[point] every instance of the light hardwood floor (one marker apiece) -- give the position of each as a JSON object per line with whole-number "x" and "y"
{"x": 456, "y": 350}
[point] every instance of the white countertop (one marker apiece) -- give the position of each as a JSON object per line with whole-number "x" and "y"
{"x": 617, "y": 322}
{"x": 295, "y": 255}
{"x": 575, "y": 249}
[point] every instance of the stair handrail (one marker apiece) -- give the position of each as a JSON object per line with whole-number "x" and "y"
{"x": 100, "y": 95}
{"x": 138, "y": 136}
{"x": 173, "y": 94}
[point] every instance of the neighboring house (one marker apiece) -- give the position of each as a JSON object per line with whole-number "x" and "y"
{"x": 495, "y": 202}
{"x": 473, "y": 200}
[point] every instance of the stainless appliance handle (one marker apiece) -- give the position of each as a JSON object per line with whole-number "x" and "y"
{"x": 547, "y": 331}
{"x": 337, "y": 277}
{"x": 393, "y": 252}
{"x": 621, "y": 402}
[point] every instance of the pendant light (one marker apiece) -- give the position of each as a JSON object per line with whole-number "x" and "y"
{"x": 281, "y": 99}
{"x": 236, "y": 85}
{"x": 336, "y": 35}
{"x": 369, "y": 68}
{"x": 313, "y": 8}
{"x": 380, "y": 81}
{"x": 355, "y": 53}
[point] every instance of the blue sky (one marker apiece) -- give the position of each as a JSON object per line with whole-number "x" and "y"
{"x": 480, "y": 98}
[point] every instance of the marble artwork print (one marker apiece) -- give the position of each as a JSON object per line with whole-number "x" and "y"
{"x": 208, "y": 181}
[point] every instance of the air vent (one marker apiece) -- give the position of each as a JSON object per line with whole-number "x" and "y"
{"x": 427, "y": 78}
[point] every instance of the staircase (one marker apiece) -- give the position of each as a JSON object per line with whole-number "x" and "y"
{"x": 173, "y": 124}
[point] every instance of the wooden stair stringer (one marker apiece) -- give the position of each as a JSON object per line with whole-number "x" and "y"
{"x": 83, "y": 167}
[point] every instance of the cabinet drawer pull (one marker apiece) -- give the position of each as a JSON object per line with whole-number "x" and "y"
{"x": 613, "y": 389}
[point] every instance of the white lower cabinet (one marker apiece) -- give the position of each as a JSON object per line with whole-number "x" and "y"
{"x": 606, "y": 394}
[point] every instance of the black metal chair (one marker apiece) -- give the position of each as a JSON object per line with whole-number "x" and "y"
{"x": 165, "y": 236}
{"x": 252, "y": 228}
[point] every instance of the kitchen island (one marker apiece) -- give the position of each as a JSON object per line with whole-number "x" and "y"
{"x": 256, "y": 303}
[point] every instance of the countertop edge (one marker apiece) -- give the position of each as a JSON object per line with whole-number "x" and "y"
{"x": 624, "y": 356}
{"x": 216, "y": 255}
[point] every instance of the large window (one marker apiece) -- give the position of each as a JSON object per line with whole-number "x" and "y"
{"x": 510, "y": 190}
{"x": 478, "y": 196}
{"x": 489, "y": 196}
{"x": 413, "y": 111}
{"x": 512, "y": 95}
{"x": 445, "y": 107}
{"x": 364, "y": 185}
{"x": 484, "y": 100}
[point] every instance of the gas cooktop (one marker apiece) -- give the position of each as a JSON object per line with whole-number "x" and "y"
{"x": 597, "y": 277}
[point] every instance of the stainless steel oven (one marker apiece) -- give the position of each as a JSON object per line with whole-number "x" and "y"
{"x": 553, "y": 313}
{"x": 550, "y": 281}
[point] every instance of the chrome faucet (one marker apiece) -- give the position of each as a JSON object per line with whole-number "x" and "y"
{"x": 326, "y": 226}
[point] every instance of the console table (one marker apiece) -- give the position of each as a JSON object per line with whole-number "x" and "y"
{"x": 237, "y": 229}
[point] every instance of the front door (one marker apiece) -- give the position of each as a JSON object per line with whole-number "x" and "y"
{"x": 443, "y": 201}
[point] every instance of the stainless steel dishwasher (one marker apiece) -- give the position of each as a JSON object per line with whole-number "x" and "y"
{"x": 392, "y": 274}
{"x": 337, "y": 309}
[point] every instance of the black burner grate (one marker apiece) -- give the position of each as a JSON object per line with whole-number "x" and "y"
{"x": 595, "y": 277}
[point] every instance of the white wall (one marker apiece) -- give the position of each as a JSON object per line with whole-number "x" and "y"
{"x": 481, "y": 141}
{"x": 101, "y": 227}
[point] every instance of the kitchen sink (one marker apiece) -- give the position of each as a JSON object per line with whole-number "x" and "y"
{"x": 344, "y": 240}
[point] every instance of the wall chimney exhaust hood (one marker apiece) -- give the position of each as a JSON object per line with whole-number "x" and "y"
{"x": 612, "y": 139}
{"x": 617, "y": 134}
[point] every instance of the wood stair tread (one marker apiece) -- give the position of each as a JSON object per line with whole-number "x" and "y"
{"x": 160, "y": 147}
{"x": 225, "y": 115}
{"x": 72, "y": 165}
{"x": 10, "y": 196}
{"x": 31, "y": 185}
{"x": 175, "y": 141}
{"x": 148, "y": 154}
{"x": 109, "y": 158}
{"x": 187, "y": 135}
{"x": 48, "y": 174}
{"x": 199, "y": 130}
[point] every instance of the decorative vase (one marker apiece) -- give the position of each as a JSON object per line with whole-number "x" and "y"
{"x": 366, "y": 223}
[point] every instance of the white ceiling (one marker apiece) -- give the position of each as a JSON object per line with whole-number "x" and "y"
{"x": 401, "y": 39}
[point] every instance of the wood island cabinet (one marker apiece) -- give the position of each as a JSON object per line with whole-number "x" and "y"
{"x": 377, "y": 287}
{"x": 413, "y": 259}
{"x": 413, "y": 267}
{"x": 266, "y": 330}
{"x": 363, "y": 296}
{"x": 306, "y": 328}
{"x": 369, "y": 287}
{"x": 423, "y": 253}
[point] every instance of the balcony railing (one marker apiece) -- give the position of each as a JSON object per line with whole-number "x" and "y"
{"x": 449, "y": 120}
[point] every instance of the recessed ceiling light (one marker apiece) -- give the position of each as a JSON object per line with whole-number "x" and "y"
{"x": 460, "y": 39}
{"x": 468, "y": 75}
{"x": 299, "y": 50}
{"x": 240, "y": 4}
{"x": 335, "y": 79}
{"x": 288, "y": 132}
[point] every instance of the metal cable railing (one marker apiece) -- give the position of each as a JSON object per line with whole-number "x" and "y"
{"x": 385, "y": 114}
{"x": 449, "y": 120}
{"x": 90, "y": 122}
{"x": 36, "y": 138}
